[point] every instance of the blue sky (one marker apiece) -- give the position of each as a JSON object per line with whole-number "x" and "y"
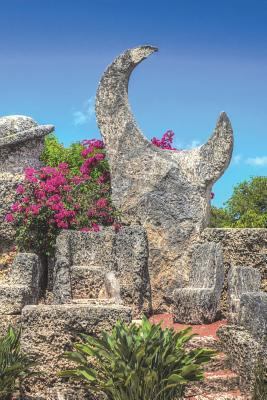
{"x": 213, "y": 57}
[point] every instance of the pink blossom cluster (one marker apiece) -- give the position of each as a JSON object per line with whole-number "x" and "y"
{"x": 165, "y": 142}
{"x": 53, "y": 195}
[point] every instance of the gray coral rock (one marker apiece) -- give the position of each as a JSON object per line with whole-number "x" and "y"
{"x": 21, "y": 144}
{"x": 240, "y": 280}
{"x": 23, "y": 285}
{"x": 198, "y": 303}
{"x": 244, "y": 353}
{"x": 167, "y": 192}
{"x": 253, "y": 315}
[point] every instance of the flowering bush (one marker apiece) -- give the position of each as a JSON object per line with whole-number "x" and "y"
{"x": 53, "y": 198}
{"x": 71, "y": 192}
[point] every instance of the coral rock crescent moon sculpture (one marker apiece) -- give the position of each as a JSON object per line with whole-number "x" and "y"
{"x": 167, "y": 192}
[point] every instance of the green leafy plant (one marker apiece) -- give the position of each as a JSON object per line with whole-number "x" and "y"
{"x": 137, "y": 362}
{"x": 14, "y": 365}
{"x": 55, "y": 153}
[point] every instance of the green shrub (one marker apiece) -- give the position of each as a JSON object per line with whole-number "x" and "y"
{"x": 55, "y": 153}
{"x": 14, "y": 365}
{"x": 137, "y": 362}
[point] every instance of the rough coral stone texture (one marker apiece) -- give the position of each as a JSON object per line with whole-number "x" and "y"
{"x": 21, "y": 143}
{"x": 167, "y": 192}
{"x": 83, "y": 260}
{"x": 241, "y": 247}
{"x": 253, "y": 315}
{"x": 8, "y": 185}
{"x": 131, "y": 260}
{"x": 9, "y": 320}
{"x": 244, "y": 352}
{"x": 86, "y": 282}
{"x": 198, "y": 303}
{"x": 48, "y": 331}
{"x": 22, "y": 285}
{"x": 240, "y": 280}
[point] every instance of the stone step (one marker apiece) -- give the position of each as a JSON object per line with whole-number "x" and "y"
{"x": 208, "y": 342}
{"x": 219, "y": 362}
{"x": 94, "y": 301}
{"x": 214, "y": 382}
{"x": 231, "y": 395}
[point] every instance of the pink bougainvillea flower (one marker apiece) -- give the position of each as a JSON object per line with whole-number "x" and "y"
{"x": 35, "y": 209}
{"x": 63, "y": 166}
{"x": 62, "y": 224}
{"x": 99, "y": 156}
{"x": 102, "y": 203}
{"x": 165, "y": 143}
{"x": 20, "y": 189}
{"x": 9, "y": 218}
{"x": 85, "y": 229}
{"x": 117, "y": 227}
{"x": 95, "y": 227}
{"x": 16, "y": 207}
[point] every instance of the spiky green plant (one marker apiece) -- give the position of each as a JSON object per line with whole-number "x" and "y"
{"x": 14, "y": 365}
{"x": 138, "y": 362}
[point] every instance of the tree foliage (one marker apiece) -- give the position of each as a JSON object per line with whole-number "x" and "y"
{"x": 246, "y": 208}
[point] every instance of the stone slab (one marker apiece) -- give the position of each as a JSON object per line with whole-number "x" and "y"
{"x": 253, "y": 315}
{"x": 48, "y": 331}
{"x": 240, "y": 280}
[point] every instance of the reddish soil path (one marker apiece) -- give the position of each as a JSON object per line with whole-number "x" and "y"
{"x": 202, "y": 330}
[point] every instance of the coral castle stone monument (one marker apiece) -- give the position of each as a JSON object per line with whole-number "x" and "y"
{"x": 167, "y": 192}
{"x": 162, "y": 257}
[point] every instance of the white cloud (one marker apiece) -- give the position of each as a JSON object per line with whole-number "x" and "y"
{"x": 85, "y": 114}
{"x": 193, "y": 144}
{"x": 257, "y": 161}
{"x": 237, "y": 159}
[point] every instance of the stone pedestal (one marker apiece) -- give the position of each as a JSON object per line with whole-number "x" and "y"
{"x": 49, "y": 331}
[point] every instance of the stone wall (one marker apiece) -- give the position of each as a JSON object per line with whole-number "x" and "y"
{"x": 50, "y": 330}
{"x": 241, "y": 247}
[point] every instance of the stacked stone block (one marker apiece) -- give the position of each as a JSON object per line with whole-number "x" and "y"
{"x": 198, "y": 303}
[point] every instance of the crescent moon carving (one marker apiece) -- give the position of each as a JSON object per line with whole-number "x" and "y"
{"x": 119, "y": 128}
